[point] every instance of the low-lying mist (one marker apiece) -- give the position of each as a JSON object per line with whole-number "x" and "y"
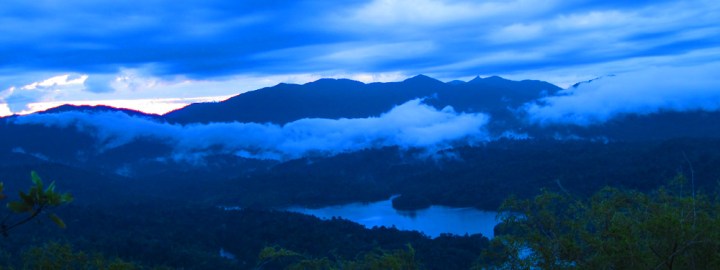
{"x": 641, "y": 92}
{"x": 409, "y": 125}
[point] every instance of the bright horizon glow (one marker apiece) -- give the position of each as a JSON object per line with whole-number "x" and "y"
{"x": 155, "y": 95}
{"x": 151, "y": 106}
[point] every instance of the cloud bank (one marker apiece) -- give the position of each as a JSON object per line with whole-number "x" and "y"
{"x": 640, "y": 92}
{"x": 209, "y": 39}
{"x": 410, "y": 125}
{"x": 221, "y": 47}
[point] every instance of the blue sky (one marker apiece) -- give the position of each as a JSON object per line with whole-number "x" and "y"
{"x": 157, "y": 55}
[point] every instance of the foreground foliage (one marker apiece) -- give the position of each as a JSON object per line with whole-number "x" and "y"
{"x": 36, "y": 201}
{"x": 54, "y": 255}
{"x": 170, "y": 236}
{"x": 280, "y": 258}
{"x": 670, "y": 228}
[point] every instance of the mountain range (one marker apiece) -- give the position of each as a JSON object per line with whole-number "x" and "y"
{"x": 337, "y": 140}
{"x": 342, "y": 98}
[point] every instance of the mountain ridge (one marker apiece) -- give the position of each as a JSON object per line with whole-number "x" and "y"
{"x": 96, "y": 109}
{"x": 232, "y": 163}
{"x": 344, "y": 98}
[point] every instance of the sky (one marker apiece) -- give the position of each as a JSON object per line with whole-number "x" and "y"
{"x": 159, "y": 55}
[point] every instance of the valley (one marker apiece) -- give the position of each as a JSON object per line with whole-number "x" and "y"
{"x": 159, "y": 179}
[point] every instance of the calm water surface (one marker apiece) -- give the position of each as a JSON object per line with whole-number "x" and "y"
{"x": 432, "y": 221}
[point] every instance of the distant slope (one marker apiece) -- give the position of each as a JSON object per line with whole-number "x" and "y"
{"x": 342, "y": 98}
{"x": 98, "y": 108}
{"x": 633, "y": 127}
{"x": 631, "y": 150}
{"x": 502, "y": 99}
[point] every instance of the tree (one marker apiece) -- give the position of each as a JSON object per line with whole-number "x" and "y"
{"x": 38, "y": 200}
{"x": 614, "y": 229}
{"x": 54, "y": 255}
{"x": 280, "y": 258}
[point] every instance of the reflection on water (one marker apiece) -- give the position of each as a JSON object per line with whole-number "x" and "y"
{"x": 432, "y": 221}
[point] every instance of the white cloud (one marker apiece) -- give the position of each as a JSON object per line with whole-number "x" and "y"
{"x": 493, "y": 58}
{"x": 410, "y": 125}
{"x": 593, "y": 20}
{"x": 56, "y": 82}
{"x": 387, "y": 13}
{"x": 356, "y": 54}
{"x": 136, "y": 89}
{"x": 375, "y": 77}
{"x": 17, "y": 97}
{"x": 568, "y": 75}
{"x": 212, "y": 40}
{"x": 516, "y": 32}
{"x": 638, "y": 92}
{"x": 5, "y": 110}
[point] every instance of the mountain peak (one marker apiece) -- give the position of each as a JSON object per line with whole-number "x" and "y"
{"x": 456, "y": 82}
{"x": 331, "y": 82}
{"x": 491, "y": 79}
{"x": 495, "y": 78}
{"x": 422, "y": 79}
{"x": 343, "y": 98}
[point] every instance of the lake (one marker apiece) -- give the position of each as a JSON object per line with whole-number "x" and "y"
{"x": 432, "y": 221}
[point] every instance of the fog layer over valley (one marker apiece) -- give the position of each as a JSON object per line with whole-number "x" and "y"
{"x": 409, "y": 125}
{"x": 467, "y": 144}
{"x": 333, "y": 142}
{"x": 644, "y": 92}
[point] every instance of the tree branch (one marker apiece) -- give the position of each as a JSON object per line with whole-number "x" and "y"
{"x": 6, "y": 228}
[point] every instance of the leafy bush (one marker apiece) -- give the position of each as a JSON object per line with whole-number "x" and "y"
{"x": 614, "y": 229}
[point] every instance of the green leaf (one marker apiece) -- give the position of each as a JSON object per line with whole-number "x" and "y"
{"x": 66, "y": 198}
{"x": 34, "y": 194}
{"x": 50, "y": 188}
{"x": 19, "y": 207}
{"x": 29, "y": 200}
{"x": 57, "y": 221}
{"x": 36, "y": 180}
{"x": 53, "y": 199}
